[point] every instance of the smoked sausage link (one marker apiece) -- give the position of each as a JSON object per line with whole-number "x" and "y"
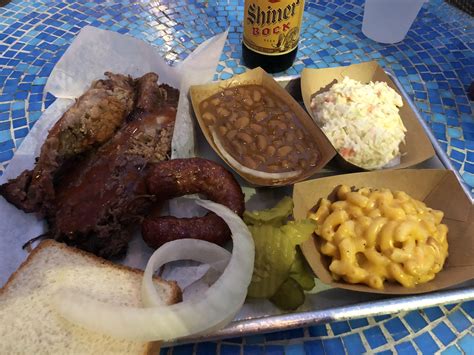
{"x": 179, "y": 177}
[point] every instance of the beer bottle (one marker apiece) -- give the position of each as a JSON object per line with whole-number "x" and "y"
{"x": 271, "y": 33}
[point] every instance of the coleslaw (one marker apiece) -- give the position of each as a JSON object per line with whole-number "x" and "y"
{"x": 362, "y": 121}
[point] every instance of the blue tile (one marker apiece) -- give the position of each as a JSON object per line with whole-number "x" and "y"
{"x": 294, "y": 349}
{"x": 470, "y": 157}
{"x": 19, "y": 122}
{"x": 333, "y": 346}
{"x": 353, "y": 344}
{"x": 457, "y": 155}
{"x": 426, "y": 343}
{"x": 20, "y": 133}
{"x": 466, "y": 343}
{"x": 452, "y": 350}
{"x": 318, "y": 330}
{"x": 252, "y": 350}
{"x": 385, "y": 352}
{"x": 21, "y": 95}
{"x": 225, "y": 76}
{"x": 295, "y": 333}
{"x": 459, "y": 320}
{"x": 358, "y": 323}
{"x": 469, "y": 136}
{"x": 18, "y": 113}
{"x": 276, "y": 336}
{"x": 457, "y": 143}
{"x": 381, "y": 317}
{"x": 396, "y": 328}
{"x": 5, "y": 125}
{"x": 433, "y": 313}
{"x": 314, "y": 347}
{"x": 456, "y": 165}
{"x": 468, "y": 306}
{"x": 274, "y": 349}
{"x": 375, "y": 337}
{"x": 415, "y": 321}
{"x": 340, "y": 327}
{"x": 18, "y": 105}
{"x": 206, "y": 348}
{"x": 183, "y": 349}
{"x": 443, "y": 333}
{"x": 229, "y": 349}
{"x": 6, "y": 155}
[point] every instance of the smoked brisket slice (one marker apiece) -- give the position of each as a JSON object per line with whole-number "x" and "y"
{"x": 103, "y": 197}
{"x": 90, "y": 122}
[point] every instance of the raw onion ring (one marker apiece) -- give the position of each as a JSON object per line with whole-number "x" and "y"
{"x": 180, "y": 249}
{"x": 196, "y": 316}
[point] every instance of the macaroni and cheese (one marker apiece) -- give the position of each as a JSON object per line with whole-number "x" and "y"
{"x": 378, "y": 235}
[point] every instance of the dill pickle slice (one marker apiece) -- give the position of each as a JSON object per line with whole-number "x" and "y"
{"x": 299, "y": 231}
{"x": 276, "y": 240}
{"x": 274, "y": 254}
{"x": 276, "y": 216}
{"x": 289, "y": 296}
{"x": 301, "y": 273}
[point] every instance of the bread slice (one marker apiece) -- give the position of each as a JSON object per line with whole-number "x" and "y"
{"x": 29, "y": 324}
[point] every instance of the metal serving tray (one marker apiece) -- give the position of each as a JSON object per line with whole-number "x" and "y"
{"x": 325, "y": 304}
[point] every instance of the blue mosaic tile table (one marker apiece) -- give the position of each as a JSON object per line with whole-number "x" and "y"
{"x": 435, "y": 64}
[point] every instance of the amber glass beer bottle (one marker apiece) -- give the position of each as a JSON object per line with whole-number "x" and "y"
{"x": 271, "y": 33}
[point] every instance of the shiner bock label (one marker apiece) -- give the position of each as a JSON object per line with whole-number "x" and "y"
{"x": 272, "y": 27}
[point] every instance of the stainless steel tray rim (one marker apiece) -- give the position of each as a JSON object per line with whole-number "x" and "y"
{"x": 246, "y": 327}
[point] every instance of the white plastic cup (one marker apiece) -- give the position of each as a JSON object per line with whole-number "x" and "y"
{"x": 388, "y": 21}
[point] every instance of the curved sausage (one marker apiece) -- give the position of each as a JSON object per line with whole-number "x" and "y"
{"x": 179, "y": 177}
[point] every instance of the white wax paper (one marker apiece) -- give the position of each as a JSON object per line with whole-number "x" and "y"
{"x": 92, "y": 53}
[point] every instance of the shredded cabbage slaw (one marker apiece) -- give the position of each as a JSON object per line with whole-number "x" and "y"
{"x": 362, "y": 121}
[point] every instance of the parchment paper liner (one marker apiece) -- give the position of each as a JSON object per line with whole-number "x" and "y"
{"x": 438, "y": 188}
{"x": 417, "y": 146}
{"x": 93, "y": 52}
{"x": 258, "y": 76}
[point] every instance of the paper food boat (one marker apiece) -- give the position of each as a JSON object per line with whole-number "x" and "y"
{"x": 260, "y": 77}
{"x": 438, "y": 188}
{"x": 417, "y": 147}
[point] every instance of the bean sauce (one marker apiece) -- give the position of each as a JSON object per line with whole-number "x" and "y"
{"x": 259, "y": 129}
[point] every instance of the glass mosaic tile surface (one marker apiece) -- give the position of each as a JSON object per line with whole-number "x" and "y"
{"x": 435, "y": 64}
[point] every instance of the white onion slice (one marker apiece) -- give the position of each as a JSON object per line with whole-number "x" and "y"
{"x": 196, "y": 316}
{"x": 181, "y": 249}
{"x": 256, "y": 173}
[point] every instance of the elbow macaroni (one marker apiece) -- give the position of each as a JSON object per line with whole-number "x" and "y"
{"x": 378, "y": 235}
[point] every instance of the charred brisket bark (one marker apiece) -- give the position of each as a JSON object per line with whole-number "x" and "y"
{"x": 88, "y": 181}
{"x": 100, "y": 199}
{"x": 90, "y": 122}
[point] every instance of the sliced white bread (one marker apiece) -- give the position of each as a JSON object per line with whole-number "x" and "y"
{"x": 29, "y": 324}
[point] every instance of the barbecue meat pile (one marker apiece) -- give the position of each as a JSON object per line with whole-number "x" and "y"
{"x": 99, "y": 195}
{"x": 91, "y": 121}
